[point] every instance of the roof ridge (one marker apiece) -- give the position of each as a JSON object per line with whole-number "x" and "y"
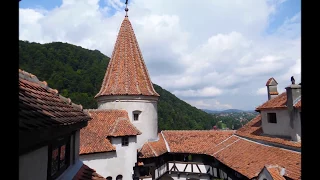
{"x": 154, "y": 152}
{"x": 299, "y": 152}
{"x": 114, "y": 125}
{"x": 165, "y": 141}
{"x": 34, "y": 79}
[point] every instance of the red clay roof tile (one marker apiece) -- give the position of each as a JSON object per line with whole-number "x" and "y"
{"x": 126, "y": 73}
{"x": 275, "y": 172}
{"x": 253, "y": 130}
{"x": 40, "y": 107}
{"x": 194, "y": 141}
{"x": 104, "y": 123}
{"x": 270, "y": 82}
{"x": 279, "y": 102}
{"x": 87, "y": 173}
{"x": 248, "y": 157}
{"x": 154, "y": 149}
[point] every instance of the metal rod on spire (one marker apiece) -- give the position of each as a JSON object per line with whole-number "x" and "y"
{"x": 126, "y": 9}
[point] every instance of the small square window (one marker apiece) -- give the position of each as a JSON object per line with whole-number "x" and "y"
{"x": 272, "y": 118}
{"x": 136, "y": 115}
{"x": 125, "y": 141}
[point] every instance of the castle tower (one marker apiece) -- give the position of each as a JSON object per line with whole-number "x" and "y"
{"x": 127, "y": 85}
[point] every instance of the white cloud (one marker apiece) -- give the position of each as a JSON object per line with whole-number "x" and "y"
{"x": 205, "y": 92}
{"x": 210, "y": 104}
{"x": 194, "y": 49}
{"x": 262, "y": 91}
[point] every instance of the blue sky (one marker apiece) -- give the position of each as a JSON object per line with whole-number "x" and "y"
{"x": 217, "y": 57}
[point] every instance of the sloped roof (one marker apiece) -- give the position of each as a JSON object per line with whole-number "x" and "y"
{"x": 87, "y": 173}
{"x": 253, "y": 130}
{"x": 274, "y": 171}
{"x": 154, "y": 149}
{"x": 184, "y": 141}
{"x": 127, "y": 73}
{"x": 279, "y": 102}
{"x": 248, "y": 157}
{"x": 104, "y": 123}
{"x": 41, "y": 107}
{"x": 271, "y": 82}
{"x": 194, "y": 141}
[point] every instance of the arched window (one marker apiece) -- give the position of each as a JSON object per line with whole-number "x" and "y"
{"x": 119, "y": 177}
{"x": 109, "y": 178}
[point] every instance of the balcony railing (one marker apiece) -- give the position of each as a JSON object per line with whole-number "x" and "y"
{"x": 184, "y": 167}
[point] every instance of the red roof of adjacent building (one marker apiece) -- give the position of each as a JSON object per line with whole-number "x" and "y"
{"x": 154, "y": 149}
{"x": 244, "y": 156}
{"x": 87, "y": 173}
{"x": 127, "y": 73}
{"x": 42, "y": 107}
{"x": 279, "y": 102}
{"x": 274, "y": 171}
{"x": 194, "y": 141}
{"x": 184, "y": 141}
{"x": 104, "y": 123}
{"x": 271, "y": 81}
{"x": 253, "y": 130}
{"x": 248, "y": 157}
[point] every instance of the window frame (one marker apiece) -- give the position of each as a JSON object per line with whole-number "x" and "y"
{"x": 272, "y": 118}
{"x": 125, "y": 141}
{"x": 58, "y": 143}
{"x": 136, "y": 113}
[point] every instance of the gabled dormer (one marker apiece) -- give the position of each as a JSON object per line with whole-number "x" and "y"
{"x": 280, "y": 115}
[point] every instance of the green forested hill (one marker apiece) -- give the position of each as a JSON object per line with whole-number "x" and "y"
{"x": 78, "y": 73}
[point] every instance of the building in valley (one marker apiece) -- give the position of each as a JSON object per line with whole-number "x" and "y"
{"x": 49, "y": 133}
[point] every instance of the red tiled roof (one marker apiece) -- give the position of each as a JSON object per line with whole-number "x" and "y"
{"x": 248, "y": 157}
{"x": 104, "y": 123}
{"x": 194, "y": 141}
{"x": 275, "y": 172}
{"x": 278, "y": 102}
{"x": 86, "y": 173}
{"x": 270, "y": 80}
{"x": 126, "y": 73}
{"x": 253, "y": 130}
{"x": 154, "y": 149}
{"x": 298, "y": 104}
{"x": 41, "y": 107}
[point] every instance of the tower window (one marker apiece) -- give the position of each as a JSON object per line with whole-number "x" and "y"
{"x": 125, "y": 141}
{"x": 272, "y": 118}
{"x": 136, "y": 115}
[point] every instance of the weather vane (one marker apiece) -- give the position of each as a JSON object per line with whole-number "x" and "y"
{"x": 126, "y": 9}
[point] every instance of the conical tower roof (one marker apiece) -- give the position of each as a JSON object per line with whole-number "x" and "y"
{"x": 126, "y": 73}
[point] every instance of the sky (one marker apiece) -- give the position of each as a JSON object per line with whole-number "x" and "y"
{"x": 212, "y": 54}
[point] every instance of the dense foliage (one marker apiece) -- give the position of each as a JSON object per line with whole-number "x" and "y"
{"x": 233, "y": 120}
{"x": 78, "y": 73}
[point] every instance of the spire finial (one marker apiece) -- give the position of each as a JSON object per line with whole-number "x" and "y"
{"x": 126, "y": 9}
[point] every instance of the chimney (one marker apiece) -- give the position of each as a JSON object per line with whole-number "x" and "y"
{"x": 272, "y": 88}
{"x": 293, "y": 96}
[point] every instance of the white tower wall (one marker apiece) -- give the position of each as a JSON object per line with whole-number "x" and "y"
{"x": 147, "y": 121}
